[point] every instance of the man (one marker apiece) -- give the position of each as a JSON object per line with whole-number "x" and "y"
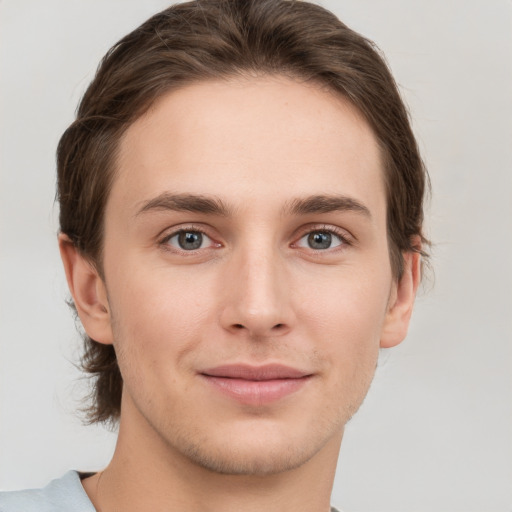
{"x": 241, "y": 228}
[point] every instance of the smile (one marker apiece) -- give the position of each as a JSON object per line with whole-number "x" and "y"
{"x": 250, "y": 385}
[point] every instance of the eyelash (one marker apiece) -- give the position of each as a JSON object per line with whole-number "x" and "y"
{"x": 164, "y": 242}
{"x": 341, "y": 234}
{"x": 345, "y": 239}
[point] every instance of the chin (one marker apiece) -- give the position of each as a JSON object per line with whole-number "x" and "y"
{"x": 259, "y": 461}
{"x": 258, "y": 449}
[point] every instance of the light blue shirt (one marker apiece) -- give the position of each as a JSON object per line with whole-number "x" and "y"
{"x": 64, "y": 494}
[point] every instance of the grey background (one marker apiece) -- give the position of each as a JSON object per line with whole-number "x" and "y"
{"x": 434, "y": 433}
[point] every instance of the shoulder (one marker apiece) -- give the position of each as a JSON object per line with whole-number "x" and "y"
{"x": 64, "y": 494}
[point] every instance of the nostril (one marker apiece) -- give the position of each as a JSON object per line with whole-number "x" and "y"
{"x": 278, "y": 326}
{"x": 238, "y": 326}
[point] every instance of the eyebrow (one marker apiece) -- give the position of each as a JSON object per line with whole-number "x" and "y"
{"x": 215, "y": 206}
{"x": 326, "y": 204}
{"x": 185, "y": 203}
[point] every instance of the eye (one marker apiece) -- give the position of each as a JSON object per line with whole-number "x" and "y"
{"x": 189, "y": 240}
{"x": 321, "y": 240}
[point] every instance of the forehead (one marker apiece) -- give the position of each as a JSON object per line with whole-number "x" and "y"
{"x": 265, "y": 137}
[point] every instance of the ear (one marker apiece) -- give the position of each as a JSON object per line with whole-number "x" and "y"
{"x": 401, "y": 302}
{"x": 88, "y": 292}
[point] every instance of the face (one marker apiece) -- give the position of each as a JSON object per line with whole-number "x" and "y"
{"x": 247, "y": 274}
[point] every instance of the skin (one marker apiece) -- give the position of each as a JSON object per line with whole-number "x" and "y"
{"x": 255, "y": 292}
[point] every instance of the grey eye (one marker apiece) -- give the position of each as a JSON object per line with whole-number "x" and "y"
{"x": 319, "y": 240}
{"x": 188, "y": 240}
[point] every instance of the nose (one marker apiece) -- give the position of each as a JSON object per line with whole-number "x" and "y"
{"x": 257, "y": 294}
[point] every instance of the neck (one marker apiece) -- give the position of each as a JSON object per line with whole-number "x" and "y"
{"x": 147, "y": 474}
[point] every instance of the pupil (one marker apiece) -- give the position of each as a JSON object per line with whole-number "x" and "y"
{"x": 319, "y": 240}
{"x": 190, "y": 240}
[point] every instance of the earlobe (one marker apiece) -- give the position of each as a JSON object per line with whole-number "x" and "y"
{"x": 401, "y": 303}
{"x": 88, "y": 291}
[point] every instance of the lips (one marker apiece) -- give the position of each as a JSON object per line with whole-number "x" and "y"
{"x": 256, "y": 385}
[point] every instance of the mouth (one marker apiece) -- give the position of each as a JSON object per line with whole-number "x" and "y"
{"x": 256, "y": 385}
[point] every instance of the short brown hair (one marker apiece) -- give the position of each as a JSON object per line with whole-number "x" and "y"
{"x": 212, "y": 39}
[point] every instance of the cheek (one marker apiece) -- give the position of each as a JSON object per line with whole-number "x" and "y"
{"x": 349, "y": 299}
{"x": 346, "y": 316}
{"x": 156, "y": 314}
{"x": 343, "y": 320}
